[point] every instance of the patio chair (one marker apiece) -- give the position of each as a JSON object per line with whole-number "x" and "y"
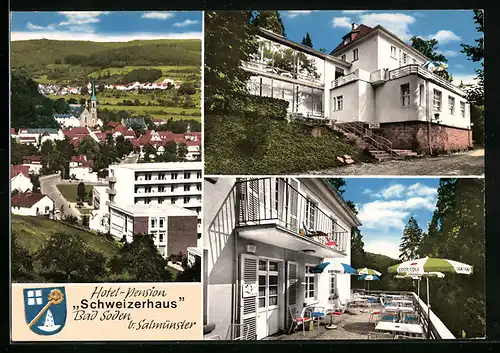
{"x": 380, "y": 336}
{"x": 410, "y": 319}
{"x": 299, "y": 319}
{"x": 374, "y": 315}
{"x": 318, "y": 313}
{"x": 388, "y": 317}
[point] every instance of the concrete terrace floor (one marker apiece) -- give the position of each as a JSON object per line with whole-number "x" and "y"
{"x": 354, "y": 326}
{"x": 464, "y": 163}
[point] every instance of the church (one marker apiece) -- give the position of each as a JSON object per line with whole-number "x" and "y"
{"x": 88, "y": 117}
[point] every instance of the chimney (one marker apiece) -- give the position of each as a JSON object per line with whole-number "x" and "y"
{"x": 353, "y": 27}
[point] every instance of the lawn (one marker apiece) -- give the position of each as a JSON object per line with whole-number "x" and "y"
{"x": 166, "y": 70}
{"x": 69, "y": 191}
{"x": 33, "y": 232}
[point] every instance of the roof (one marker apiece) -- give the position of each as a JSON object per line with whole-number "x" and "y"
{"x": 26, "y": 199}
{"x": 79, "y": 159}
{"x": 65, "y": 116}
{"x": 137, "y": 120}
{"x": 114, "y": 124}
{"x": 343, "y": 203}
{"x": 32, "y": 158}
{"x": 94, "y": 98}
{"x": 166, "y": 166}
{"x": 42, "y": 131}
{"x": 359, "y": 32}
{"x": 76, "y": 131}
{"x": 165, "y": 210}
{"x": 19, "y": 169}
{"x": 12, "y": 131}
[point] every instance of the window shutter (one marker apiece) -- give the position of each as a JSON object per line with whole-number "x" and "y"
{"x": 294, "y": 204}
{"x": 249, "y": 291}
{"x": 292, "y": 282}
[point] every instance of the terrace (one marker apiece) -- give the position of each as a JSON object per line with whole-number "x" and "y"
{"x": 284, "y": 75}
{"x": 404, "y": 316}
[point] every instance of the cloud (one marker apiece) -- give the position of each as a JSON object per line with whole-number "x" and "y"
{"x": 383, "y": 247}
{"x": 465, "y": 78}
{"x": 185, "y": 23}
{"x": 354, "y": 11}
{"x": 386, "y": 215}
{"x": 444, "y": 36}
{"x": 343, "y": 22}
{"x": 293, "y": 14}
{"x": 395, "y": 190}
{"x": 449, "y": 53}
{"x": 421, "y": 190}
{"x": 367, "y": 191}
{"x": 81, "y": 17}
{"x": 100, "y": 37}
{"x": 396, "y": 23}
{"x": 157, "y": 15}
{"x": 30, "y": 25}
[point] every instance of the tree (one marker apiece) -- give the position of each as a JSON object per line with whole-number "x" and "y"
{"x": 61, "y": 106}
{"x": 89, "y": 147}
{"x": 80, "y": 193}
{"x": 429, "y": 48}
{"x": 270, "y": 20}
{"x": 181, "y": 151}
{"x": 229, "y": 40}
{"x": 357, "y": 244}
{"x": 191, "y": 273}
{"x": 35, "y": 180}
{"x": 307, "y": 41}
{"x": 138, "y": 129}
{"x": 337, "y": 184}
{"x": 21, "y": 260}
{"x": 476, "y": 54}
{"x": 412, "y": 235}
{"x": 140, "y": 261}
{"x": 187, "y": 88}
{"x": 323, "y": 50}
{"x": 67, "y": 254}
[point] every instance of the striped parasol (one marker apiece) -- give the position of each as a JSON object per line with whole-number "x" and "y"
{"x": 368, "y": 271}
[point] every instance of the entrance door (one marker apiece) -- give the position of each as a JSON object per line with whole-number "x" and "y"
{"x": 269, "y": 299}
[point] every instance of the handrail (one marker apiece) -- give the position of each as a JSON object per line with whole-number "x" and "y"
{"x": 273, "y": 199}
{"x": 355, "y": 128}
{"x": 262, "y": 67}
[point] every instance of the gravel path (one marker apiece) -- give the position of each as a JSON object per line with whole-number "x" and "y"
{"x": 466, "y": 163}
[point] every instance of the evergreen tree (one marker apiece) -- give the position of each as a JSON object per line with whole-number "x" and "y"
{"x": 337, "y": 184}
{"x": 270, "y": 20}
{"x": 412, "y": 235}
{"x": 307, "y": 41}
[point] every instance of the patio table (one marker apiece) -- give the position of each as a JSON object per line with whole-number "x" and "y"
{"x": 399, "y": 308}
{"x": 401, "y": 301}
{"x": 396, "y": 327}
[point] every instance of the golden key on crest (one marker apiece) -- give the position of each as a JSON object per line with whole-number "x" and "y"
{"x": 55, "y": 297}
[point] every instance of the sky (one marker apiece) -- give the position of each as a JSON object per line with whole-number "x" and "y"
{"x": 385, "y": 205}
{"x": 105, "y": 26}
{"x": 450, "y": 27}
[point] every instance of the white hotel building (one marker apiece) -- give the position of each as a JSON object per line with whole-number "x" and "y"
{"x": 372, "y": 78}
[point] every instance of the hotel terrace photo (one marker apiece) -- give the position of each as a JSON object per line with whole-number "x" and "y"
{"x": 106, "y": 141}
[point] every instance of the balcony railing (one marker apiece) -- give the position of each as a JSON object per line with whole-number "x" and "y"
{"x": 419, "y": 70}
{"x": 264, "y": 68}
{"x": 432, "y": 325}
{"x": 275, "y": 201}
{"x": 342, "y": 80}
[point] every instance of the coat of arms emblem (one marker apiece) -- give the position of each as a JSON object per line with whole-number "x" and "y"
{"x": 45, "y": 310}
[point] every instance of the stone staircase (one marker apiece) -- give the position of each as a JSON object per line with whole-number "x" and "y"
{"x": 379, "y": 147}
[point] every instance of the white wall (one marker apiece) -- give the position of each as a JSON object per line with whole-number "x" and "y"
{"x": 34, "y": 168}
{"x": 21, "y": 183}
{"x": 367, "y": 60}
{"x": 385, "y": 61}
{"x": 445, "y": 117}
{"x": 389, "y": 107}
{"x": 32, "y": 211}
{"x": 350, "y": 93}
{"x": 83, "y": 173}
{"x": 68, "y": 122}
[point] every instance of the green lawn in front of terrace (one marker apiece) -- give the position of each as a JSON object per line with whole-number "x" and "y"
{"x": 69, "y": 191}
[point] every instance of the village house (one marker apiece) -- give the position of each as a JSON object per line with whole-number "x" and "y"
{"x": 34, "y": 163}
{"x": 371, "y": 84}
{"x": 261, "y": 238}
{"x": 20, "y": 178}
{"x": 67, "y": 120}
{"x": 37, "y": 137}
{"x": 158, "y": 139}
{"x": 31, "y": 204}
{"x": 76, "y": 135}
{"x": 82, "y": 169}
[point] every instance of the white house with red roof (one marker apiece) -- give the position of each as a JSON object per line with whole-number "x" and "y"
{"x": 20, "y": 179}
{"x": 82, "y": 169}
{"x": 36, "y": 136}
{"x": 372, "y": 84}
{"x": 34, "y": 163}
{"x": 31, "y": 204}
{"x": 76, "y": 134}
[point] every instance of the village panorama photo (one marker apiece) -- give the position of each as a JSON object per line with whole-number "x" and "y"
{"x": 344, "y": 92}
{"x": 106, "y": 167}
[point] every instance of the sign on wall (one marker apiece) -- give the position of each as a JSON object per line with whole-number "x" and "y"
{"x": 374, "y": 125}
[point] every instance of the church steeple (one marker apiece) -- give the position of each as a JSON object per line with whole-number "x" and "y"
{"x": 94, "y": 98}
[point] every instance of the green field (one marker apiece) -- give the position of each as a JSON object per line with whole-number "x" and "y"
{"x": 69, "y": 191}
{"x": 167, "y": 71}
{"x": 33, "y": 232}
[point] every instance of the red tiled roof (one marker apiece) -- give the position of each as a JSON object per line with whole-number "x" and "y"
{"x": 26, "y": 199}
{"x": 12, "y": 131}
{"x": 79, "y": 159}
{"x": 134, "y": 142}
{"x": 33, "y": 159}
{"x": 192, "y": 143}
{"x": 19, "y": 169}
{"x": 120, "y": 128}
{"x": 101, "y": 136}
{"x": 113, "y": 124}
{"x": 359, "y": 32}
{"x": 76, "y": 131}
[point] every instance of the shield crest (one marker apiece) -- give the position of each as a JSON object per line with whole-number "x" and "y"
{"x": 45, "y": 310}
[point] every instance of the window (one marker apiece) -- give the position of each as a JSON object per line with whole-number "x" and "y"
{"x": 161, "y": 176}
{"x": 198, "y": 175}
{"x": 162, "y": 221}
{"x": 332, "y": 284}
{"x": 161, "y": 188}
{"x": 393, "y": 52}
{"x": 309, "y": 289}
{"x": 311, "y": 213}
{"x": 421, "y": 95}
{"x": 339, "y": 103}
{"x": 173, "y": 200}
{"x": 173, "y": 175}
{"x": 148, "y": 189}
{"x": 262, "y": 289}
{"x": 187, "y": 199}
{"x": 198, "y": 187}
{"x": 172, "y": 188}
{"x": 153, "y": 222}
{"x": 187, "y": 175}
{"x": 355, "y": 55}
{"x": 405, "y": 95}
{"x": 187, "y": 187}
{"x": 147, "y": 201}
{"x": 343, "y": 58}
{"x": 273, "y": 285}
{"x": 405, "y": 58}
{"x": 147, "y": 176}
{"x": 451, "y": 105}
{"x": 462, "y": 109}
{"x": 161, "y": 237}
{"x": 436, "y": 102}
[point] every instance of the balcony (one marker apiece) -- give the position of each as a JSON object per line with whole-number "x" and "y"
{"x": 285, "y": 75}
{"x": 422, "y": 72}
{"x": 272, "y": 211}
{"x": 111, "y": 191}
{"x": 111, "y": 179}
